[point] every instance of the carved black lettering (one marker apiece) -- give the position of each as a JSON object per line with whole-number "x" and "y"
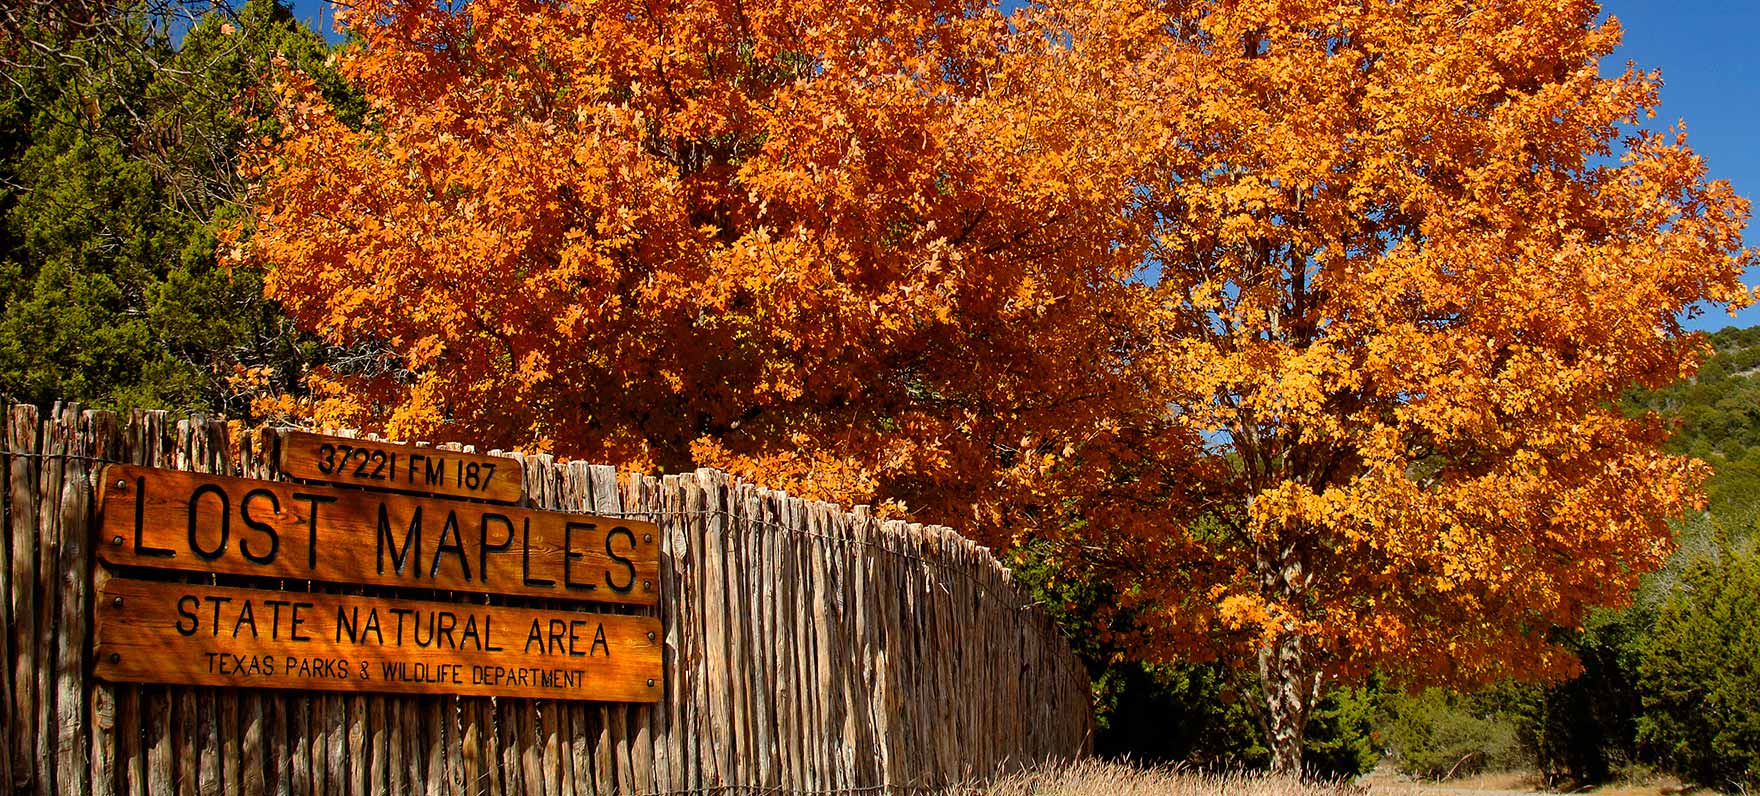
{"x": 141, "y": 548}
{"x": 195, "y": 499}
{"x": 536, "y": 635}
{"x": 186, "y": 610}
{"x": 569, "y": 556}
{"x": 297, "y": 621}
{"x": 412, "y": 542}
{"x": 446, "y": 622}
{"x": 558, "y": 632}
{"x": 275, "y": 617}
{"x": 372, "y": 626}
{"x": 312, "y": 525}
{"x": 244, "y": 511}
{"x": 628, "y": 565}
{"x": 468, "y": 636}
{"x": 245, "y": 617}
{"x": 525, "y": 557}
{"x": 455, "y": 547}
{"x": 489, "y": 644}
{"x": 347, "y": 617}
{"x": 401, "y": 613}
{"x": 574, "y": 637}
{"x": 214, "y": 626}
{"x": 484, "y": 548}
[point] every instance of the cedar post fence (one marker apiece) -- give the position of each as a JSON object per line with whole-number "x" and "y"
{"x": 808, "y": 650}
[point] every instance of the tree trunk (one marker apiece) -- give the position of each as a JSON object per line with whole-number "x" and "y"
{"x": 1290, "y": 691}
{"x": 1288, "y": 666}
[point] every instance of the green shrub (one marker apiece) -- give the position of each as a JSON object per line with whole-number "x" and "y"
{"x": 1191, "y": 714}
{"x": 1202, "y": 716}
{"x": 119, "y": 163}
{"x": 1340, "y": 743}
{"x": 1582, "y": 731}
{"x": 1699, "y": 673}
{"x": 1438, "y": 734}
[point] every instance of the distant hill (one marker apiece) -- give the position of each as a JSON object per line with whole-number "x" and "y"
{"x": 1719, "y": 413}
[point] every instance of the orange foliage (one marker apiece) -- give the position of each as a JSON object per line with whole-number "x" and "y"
{"x": 1410, "y": 255}
{"x": 1307, "y": 318}
{"x": 801, "y": 241}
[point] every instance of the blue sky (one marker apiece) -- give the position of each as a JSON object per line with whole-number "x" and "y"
{"x": 1709, "y": 61}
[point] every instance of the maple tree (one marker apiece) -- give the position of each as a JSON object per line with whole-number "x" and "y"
{"x": 1307, "y": 319}
{"x": 803, "y": 242}
{"x": 1407, "y": 258}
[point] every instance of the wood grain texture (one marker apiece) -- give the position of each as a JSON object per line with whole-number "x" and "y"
{"x": 51, "y": 480}
{"x": 23, "y": 439}
{"x": 189, "y": 634}
{"x": 376, "y": 464}
{"x": 799, "y": 648}
{"x": 7, "y": 716}
{"x": 104, "y": 442}
{"x": 214, "y": 524}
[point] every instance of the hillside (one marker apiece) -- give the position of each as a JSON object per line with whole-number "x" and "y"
{"x": 1719, "y": 415}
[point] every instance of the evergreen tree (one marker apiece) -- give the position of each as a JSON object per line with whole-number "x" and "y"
{"x": 118, "y": 166}
{"x": 1698, "y": 674}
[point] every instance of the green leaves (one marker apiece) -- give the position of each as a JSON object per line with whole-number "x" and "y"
{"x": 1719, "y": 414}
{"x": 120, "y": 167}
{"x": 1699, "y": 673}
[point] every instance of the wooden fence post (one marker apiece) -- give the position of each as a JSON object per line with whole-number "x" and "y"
{"x": 807, "y": 650}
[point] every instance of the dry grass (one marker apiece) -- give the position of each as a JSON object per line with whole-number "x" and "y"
{"x": 1103, "y": 778}
{"x": 1384, "y": 782}
{"x": 1107, "y": 778}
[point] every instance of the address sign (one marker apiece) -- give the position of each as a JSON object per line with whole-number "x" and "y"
{"x": 386, "y": 465}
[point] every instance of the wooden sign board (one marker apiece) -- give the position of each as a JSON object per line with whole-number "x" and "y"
{"x": 388, "y": 465}
{"x": 169, "y": 519}
{"x": 192, "y": 634}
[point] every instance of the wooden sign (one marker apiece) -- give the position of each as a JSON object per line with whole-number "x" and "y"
{"x": 192, "y": 634}
{"x": 168, "y": 519}
{"x": 388, "y": 465}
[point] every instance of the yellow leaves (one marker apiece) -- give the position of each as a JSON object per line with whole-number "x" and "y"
{"x": 641, "y": 270}
{"x": 251, "y": 380}
{"x": 533, "y": 369}
{"x": 1240, "y": 611}
{"x": 897, "y": 256}
{"x": 426, "y": 350}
